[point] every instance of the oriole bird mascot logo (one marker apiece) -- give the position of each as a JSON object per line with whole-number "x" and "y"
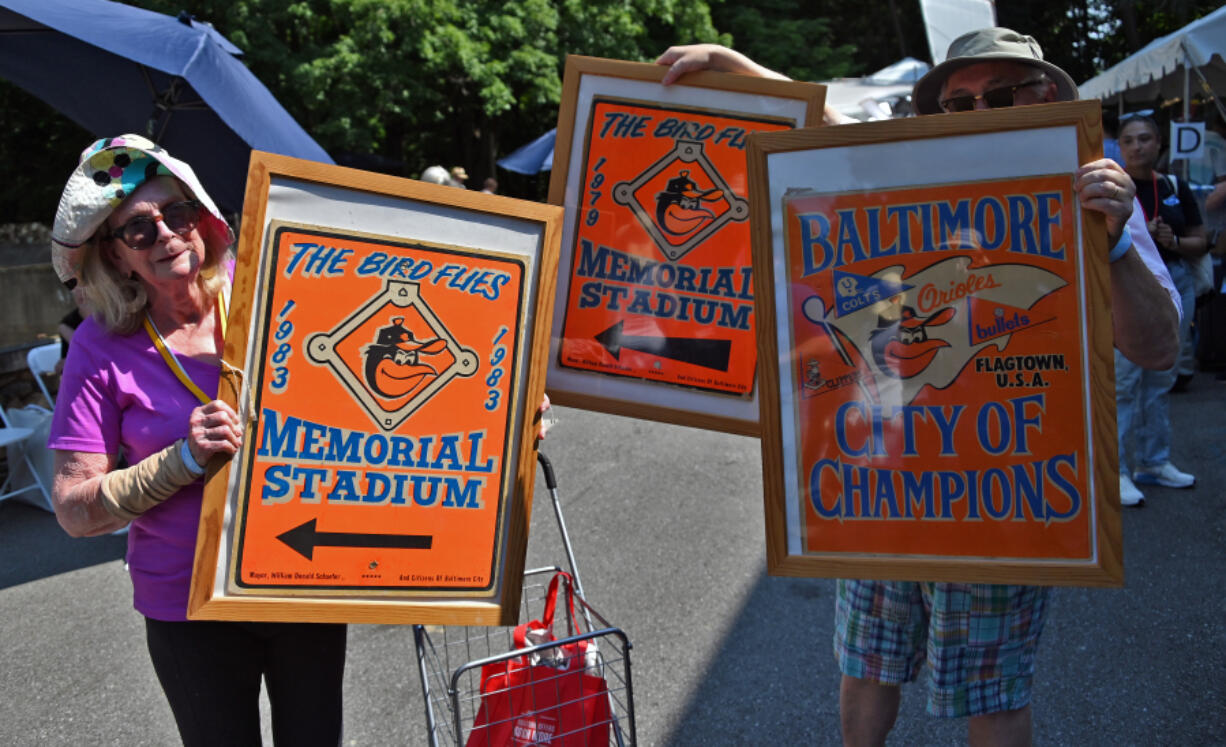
{"x": 902, "y": 348}
{"x": 393, "y": 361}
{"x": 679, "y": 208}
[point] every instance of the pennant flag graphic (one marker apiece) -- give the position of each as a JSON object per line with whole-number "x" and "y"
{"x": 988, "y": 320}
{"x": 853, "y": 292}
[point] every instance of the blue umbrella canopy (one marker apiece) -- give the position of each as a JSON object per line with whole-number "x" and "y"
{"x": 114, "y": 68}
{"x": 533, "y": 158}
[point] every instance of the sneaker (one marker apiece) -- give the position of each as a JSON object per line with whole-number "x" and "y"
{"x": 1165, "y": 475}
{"x": 1129, "y": 495}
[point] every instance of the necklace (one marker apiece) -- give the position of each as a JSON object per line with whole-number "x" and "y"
{"x": 220, "y": 309}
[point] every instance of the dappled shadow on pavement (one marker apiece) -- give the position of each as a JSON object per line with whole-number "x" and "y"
{"x": 775, "y": 681}
{"x": 1115, "y": 666}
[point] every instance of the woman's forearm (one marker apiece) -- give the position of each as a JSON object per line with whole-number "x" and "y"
{"x": 76, "y": 493}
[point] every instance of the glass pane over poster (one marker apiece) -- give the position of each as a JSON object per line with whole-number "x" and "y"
{"x": 943, "y": 410}
{"x": 387, "y": 350}
{"x": 655, "y": 316}
{"x": 661, "y": 288}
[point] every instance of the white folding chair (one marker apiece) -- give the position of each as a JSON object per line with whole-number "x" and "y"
{"x": 14, "y": 438}
{"x": 42, "y": 360}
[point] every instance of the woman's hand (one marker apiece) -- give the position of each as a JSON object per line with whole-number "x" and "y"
{"x": 691, "y": 57}
{"x": 1163, "y": 236}
{"x": 1103, "y": 186}
{"x": 213, "y": 428}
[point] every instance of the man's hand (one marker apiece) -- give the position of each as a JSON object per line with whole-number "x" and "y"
{"x": 1103, "y": 186}
{"x": 692, "y": 57}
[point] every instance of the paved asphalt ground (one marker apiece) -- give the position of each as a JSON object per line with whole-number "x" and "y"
{"x": 667, "y": 526}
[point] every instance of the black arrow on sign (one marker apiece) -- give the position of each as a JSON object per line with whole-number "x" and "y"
{"x": 304, "y": 539}
{"x": 706, "y": 353}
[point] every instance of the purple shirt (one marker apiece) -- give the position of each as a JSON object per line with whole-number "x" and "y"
{"x": 117, "y": 393}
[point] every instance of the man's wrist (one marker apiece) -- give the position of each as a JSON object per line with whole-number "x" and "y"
{"x": 1121, "y": 247}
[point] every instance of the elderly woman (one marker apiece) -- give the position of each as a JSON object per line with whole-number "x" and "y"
{"x": 150, "y": 251}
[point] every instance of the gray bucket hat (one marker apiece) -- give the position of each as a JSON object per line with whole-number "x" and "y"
{"x": 987, "y": 45}
{"x": 108, "y": 172}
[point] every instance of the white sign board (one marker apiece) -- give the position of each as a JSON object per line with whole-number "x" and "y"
{"x": 946, "y": 20}
{"x": 1187, "y": 140}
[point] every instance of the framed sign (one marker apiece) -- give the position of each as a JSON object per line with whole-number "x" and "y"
{"x": 386, "y": 344}
{"x": 937, "y": 380}
{"x": 655, "y": 314}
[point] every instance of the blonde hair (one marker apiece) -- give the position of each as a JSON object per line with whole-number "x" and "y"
{"x": 119, "y": 302}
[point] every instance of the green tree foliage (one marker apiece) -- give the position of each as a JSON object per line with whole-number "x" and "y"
{"x": 397, "y": 85}
{"x": 40, "y": 148}
{"x": 787, "y": 36}
{"x": 435, "y": 81}
{"x": 1085, "y": 37}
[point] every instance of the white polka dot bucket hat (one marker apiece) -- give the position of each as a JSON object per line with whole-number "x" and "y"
{"x": 108, "y": 172}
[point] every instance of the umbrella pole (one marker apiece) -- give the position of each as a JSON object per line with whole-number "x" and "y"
{"x": 163, "y": 106}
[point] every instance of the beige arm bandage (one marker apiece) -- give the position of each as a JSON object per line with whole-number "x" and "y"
{"x": 128, "y": 493}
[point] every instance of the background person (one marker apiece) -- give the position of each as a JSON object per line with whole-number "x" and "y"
{"x": 436, "y": 175}
{"x": 1141, "y": 396}
{"x": 979, "y": 641}
{"x": 1211, "y": 336}
{"x": 1215, "y": 146}
{"x": 150, "y": 251}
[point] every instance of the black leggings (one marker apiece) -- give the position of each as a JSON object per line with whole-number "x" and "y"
{"x": 211, "y": 673}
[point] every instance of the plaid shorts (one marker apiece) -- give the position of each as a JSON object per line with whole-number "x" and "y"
{"x": 979, "y": 640}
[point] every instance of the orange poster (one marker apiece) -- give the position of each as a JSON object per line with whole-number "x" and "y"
{"x": 387, "y": 381}
{"x": 661, "y": 285}
{"x": 940, "y": 380}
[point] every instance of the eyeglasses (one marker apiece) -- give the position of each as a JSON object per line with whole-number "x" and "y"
{"x": 141, "y": 232}
{"x": 997, "y": 98}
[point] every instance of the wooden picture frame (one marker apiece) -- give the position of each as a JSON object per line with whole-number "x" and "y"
{"x": 385, "y": 345}
{"x": 654, "y": 315}
{"x": 937, "y": 380}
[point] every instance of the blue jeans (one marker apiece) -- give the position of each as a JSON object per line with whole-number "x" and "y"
{"x": 1141, "y": 407}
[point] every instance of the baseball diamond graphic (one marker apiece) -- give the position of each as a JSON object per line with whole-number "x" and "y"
{"x": 393, "y": 354}
{"x": 681, "y": 215}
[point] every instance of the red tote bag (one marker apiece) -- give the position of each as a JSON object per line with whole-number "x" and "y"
{"x": 554, "y": 701}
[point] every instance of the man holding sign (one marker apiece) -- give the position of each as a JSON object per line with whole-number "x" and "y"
{"x": 980, "y": 640}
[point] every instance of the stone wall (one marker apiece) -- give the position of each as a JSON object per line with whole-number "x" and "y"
{"x": 32, "y": 300}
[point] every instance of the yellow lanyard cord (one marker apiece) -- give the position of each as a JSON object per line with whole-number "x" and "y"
{"x": 172, "y": 361}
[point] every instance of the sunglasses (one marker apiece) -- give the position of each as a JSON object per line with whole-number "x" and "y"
{"x": 997, "y": 98}
{"x": 141, "y": 232}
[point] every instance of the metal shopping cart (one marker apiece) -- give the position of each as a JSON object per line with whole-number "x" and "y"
{"x": 451, "y": 662}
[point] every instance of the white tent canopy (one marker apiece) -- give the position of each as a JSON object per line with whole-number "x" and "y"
{"x": 1157, "y": 71}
